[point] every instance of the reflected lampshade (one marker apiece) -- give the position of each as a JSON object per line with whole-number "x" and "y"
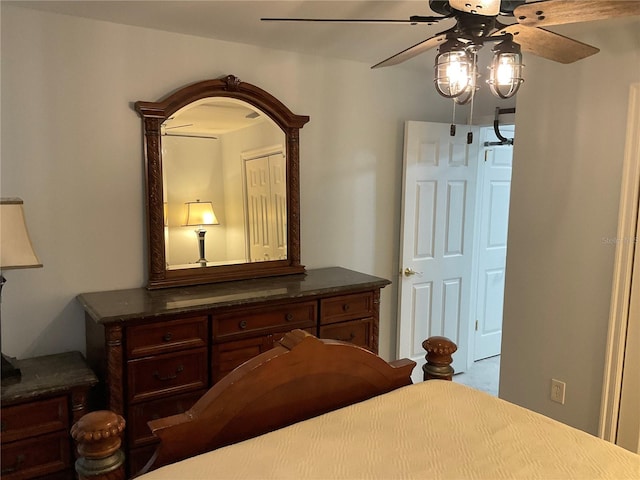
{"x": 200, "y": 213}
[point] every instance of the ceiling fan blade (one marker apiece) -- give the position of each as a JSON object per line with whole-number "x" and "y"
{"x": 559, "y": 12}
{"x": 489, "y": 8}
{"x": 414, "y": 51}
{"x": 413, "y": 20}
{"x": 549, "y": 45}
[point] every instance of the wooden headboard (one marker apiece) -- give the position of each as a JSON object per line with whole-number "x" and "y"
{"x": 300, "y": 378}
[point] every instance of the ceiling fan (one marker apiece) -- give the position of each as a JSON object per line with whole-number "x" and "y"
{"x": 481, "y": 21}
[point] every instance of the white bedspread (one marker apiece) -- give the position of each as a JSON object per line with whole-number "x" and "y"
{"x": 430, "y": 430}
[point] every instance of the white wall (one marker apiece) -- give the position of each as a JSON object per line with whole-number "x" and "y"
{"x": 564, "y": 208}
{"x": 72, "y": 149}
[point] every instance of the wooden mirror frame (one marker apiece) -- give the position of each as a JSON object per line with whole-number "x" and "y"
{"x": 153, "y": 115}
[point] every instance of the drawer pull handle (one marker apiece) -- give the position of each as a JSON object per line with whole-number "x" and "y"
{"x": 167, "y": 337}
{"x": 288, "y": 317}
{"x": 351, "y": 337}
{"x": 346, "y": 307}
{"x": 243, "y": 324}
{"x": 3, "y": 426}
{"x": 16, "y": 466}
{"x": 156, "y": 374}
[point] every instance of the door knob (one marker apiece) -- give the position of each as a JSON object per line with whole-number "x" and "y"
{"x": 410, "y": 271}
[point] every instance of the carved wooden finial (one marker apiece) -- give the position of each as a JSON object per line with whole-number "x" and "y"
{"x": 439, "y": 351}
{"x": 99, "y": 436}
{"x": 232, "y": 82}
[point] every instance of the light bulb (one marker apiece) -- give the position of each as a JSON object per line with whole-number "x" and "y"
{"x": 453, "y": 70}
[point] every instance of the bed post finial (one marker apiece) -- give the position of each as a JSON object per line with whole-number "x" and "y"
{"x": 99, "y": 437}
{"x": 439, "y": 351}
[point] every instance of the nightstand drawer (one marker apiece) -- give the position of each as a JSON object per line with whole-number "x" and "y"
{"x": 167, "y": 374}
{"x": 346, "y": 307}
{"x": 166, "y": 336}
{"x": 293, "y": 315}
{"x": 36, "y": 456}
{"x": 140, "y": 414}
{"x": 358, "y": 332}
{"x": 34, "y": 418}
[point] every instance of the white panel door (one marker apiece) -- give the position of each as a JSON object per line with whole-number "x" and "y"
{"x": 266, "y": 188}
{"x": 437, "y": 239}
{"x": 258, "y": 206}
{"x": 278, "y": 184}
{"x": 495, "y": 187}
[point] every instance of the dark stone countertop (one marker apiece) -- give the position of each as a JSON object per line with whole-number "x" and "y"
{"x": 122, "y": 305}
{"x": 49, "y": 374}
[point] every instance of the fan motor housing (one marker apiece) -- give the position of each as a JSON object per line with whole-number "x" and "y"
{"x": 443, "y": 8}
{"x": 508, "y": 6}
{"x": 440, "y": 6}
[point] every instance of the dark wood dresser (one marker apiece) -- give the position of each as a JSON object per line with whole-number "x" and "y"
{"x": 158, "y": 351}
{"x": 37, "y": 413}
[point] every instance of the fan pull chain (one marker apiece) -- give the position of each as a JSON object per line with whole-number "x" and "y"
{"x": 452, "y": 130}
{"x": 473, "y": 95}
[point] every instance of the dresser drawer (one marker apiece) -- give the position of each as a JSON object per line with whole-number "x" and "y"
{"x": 346, "y": 307}
{"x": 252, "y": 321}
{"x": 228, "y": 355}
{"x": 139, "y": 414}
{"x": 36, "y": 456}
{"x": 167, "y": 374}
{"x": 358, "y": 332}
{"x": 34, "y": 418}
{"x": 166, "y": 336}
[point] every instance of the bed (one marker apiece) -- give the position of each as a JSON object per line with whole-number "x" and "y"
{"x": 324, "y": 409}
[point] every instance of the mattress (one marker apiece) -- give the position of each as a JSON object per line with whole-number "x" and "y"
{"x": 435, "y": 430}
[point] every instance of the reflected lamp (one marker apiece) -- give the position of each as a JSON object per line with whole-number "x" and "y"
{"x": 200, "y": 214}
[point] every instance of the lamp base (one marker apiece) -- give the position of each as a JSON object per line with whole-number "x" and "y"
{"x": 202, "y": 261}
{"x": 9, "y": 370}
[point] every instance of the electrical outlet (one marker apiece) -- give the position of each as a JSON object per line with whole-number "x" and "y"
{"x": 557, "y": 391}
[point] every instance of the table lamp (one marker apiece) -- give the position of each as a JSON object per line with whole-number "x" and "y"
{"x": 16, "y": 251}
{"x": 200, "y": 214}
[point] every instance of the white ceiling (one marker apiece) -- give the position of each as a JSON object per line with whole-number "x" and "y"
{"x": 239, "y": 21}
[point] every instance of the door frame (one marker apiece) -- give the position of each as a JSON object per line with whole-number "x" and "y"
{"x": 619, "y": 318}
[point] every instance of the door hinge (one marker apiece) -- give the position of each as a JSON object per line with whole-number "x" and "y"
{"x": 476, "y": 325}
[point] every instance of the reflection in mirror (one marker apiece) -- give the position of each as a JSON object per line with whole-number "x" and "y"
{"x": 234, "y": 148}
{"x": 226, "y": 155}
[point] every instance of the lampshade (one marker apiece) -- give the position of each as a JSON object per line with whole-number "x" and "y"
{"x": 200, "y": 213}
{"x": 16, "y": 250}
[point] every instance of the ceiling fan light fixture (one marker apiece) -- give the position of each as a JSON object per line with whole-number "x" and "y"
{"x": 470, "y": 92}
{"x": 505, "y": 75}
{"x": 466, "y": 96}
{"x": 453, "y": 68}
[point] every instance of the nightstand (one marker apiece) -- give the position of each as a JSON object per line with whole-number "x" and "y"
{"x": 37, "y": 413}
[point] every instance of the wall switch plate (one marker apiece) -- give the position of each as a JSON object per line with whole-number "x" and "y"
{"x": 557, "y": 391}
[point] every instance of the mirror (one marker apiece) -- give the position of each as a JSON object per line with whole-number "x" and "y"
{"x": 222, "y": 184}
